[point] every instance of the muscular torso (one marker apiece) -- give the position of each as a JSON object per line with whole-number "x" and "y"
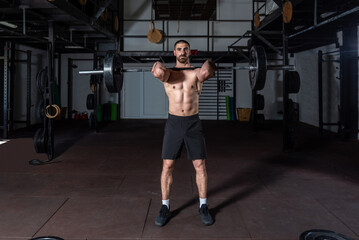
{"x": 183, "y": 90}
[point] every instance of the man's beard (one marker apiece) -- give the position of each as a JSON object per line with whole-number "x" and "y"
{"x": 182, "y": 60}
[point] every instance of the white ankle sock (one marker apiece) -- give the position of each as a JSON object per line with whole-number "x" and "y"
{"x": 202, "y": 201}
{"x": 166, "y": 202}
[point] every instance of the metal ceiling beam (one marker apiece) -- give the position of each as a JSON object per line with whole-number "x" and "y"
{"x": 26, "y": 36}
{"x": 351, "y": 11}
{"x": 76, "y": 13}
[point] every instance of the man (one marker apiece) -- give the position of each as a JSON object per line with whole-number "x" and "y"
{"x": 183, "y": 87}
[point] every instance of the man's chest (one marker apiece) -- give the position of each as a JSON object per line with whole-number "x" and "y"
{"x": 182, "y": 80}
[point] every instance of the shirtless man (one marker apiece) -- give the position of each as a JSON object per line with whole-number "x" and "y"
{"x": 183, "y": 126}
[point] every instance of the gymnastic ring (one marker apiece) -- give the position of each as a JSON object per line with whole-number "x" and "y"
{"x": 57, "y": 111}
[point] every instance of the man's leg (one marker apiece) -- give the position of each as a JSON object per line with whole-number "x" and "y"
{"x": 201, "y": 180}
{"x": 166, "y": 178}
{"x": 201, "y": 177}
{"x": 166, "y": 182}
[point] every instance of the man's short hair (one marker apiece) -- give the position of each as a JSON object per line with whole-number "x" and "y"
{"x": 181, "y": 41}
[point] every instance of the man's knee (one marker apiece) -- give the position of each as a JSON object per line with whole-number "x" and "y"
{"x": 199, "y": 165}
{"x": 168, "y": 165}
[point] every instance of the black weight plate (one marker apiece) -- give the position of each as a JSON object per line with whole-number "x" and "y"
{"x": 108, "y": 72}
{"x": 112, "y": 71}
{"x": 118, "y": 74}
{"x": 252, "y": 73}
{"x": 259, "y": 102}
{"x": 90, "y": 101}
{"x": 293, "y": 81}
{"x": 47, "y": 238}
{"x": 40, "y": 141}
{"x": 317, "y": 234}
{"x": 258, "y": 59}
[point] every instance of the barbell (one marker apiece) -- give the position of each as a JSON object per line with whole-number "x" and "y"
{"x": 113, "y": 69}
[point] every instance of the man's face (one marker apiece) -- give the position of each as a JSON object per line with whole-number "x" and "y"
{"x": 182, "y": 52}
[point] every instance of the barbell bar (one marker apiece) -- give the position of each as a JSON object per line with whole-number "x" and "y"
{"x": 113, "y": 69}
{"x": 250, "y": 68}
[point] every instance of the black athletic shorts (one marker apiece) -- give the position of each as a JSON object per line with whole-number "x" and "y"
{"x": 184, "y": 130}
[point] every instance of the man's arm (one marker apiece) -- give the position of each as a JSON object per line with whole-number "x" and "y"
{"x": 161, "y": 72}
{"x": 206, "y": 71}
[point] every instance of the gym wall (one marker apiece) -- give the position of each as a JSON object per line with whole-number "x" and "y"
{"x": 306, "y": 63}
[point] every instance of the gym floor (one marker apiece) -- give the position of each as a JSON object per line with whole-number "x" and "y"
{"x": 106, "y": 185}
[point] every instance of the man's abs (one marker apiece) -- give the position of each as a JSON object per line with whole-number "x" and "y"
{"x": 183, "y": 95}
{"x": 183, "y": 109}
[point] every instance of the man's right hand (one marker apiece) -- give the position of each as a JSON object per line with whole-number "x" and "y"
{"x": 158, "y": 65}
{"x": 212, "y": 64}
{"x": 160, "y": 71}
